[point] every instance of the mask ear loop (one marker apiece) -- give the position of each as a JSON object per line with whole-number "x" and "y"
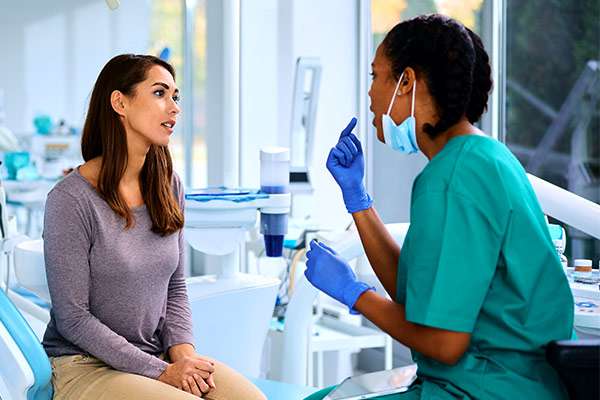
{"x": 412, "y": 107}
{"x": 394, "y": 95}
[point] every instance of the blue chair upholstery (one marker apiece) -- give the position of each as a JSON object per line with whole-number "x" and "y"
{"x": 282, "y": 391}
{"x": 30, "y": 347}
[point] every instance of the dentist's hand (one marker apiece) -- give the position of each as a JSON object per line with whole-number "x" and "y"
{"x": 328, "y": 272}
{"x": 347, "y": 165}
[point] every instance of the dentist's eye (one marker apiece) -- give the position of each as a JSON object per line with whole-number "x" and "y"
{"x": 372, "y": 74}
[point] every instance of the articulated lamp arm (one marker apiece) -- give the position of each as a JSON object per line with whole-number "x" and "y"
{"x": 567, "y": 207}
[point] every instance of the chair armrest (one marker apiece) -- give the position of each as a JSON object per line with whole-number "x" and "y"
{"x": 579, "y": 354}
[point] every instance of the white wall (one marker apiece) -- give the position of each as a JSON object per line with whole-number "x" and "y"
{"x": 54, "y": 50}
{"x": 274, "y": 35}
{"x": 393, "y": 175}
{"x": 260, "y": 110}
{"x": 329, "y": 30}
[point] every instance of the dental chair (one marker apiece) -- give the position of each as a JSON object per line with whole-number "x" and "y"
{"x": 25, "y": 371}
{"x": 26, "y": 374}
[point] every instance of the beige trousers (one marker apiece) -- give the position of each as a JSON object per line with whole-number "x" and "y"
{"x": 87, "y": 378}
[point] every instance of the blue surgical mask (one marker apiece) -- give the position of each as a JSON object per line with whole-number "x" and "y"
{"x": 403, "y": 137}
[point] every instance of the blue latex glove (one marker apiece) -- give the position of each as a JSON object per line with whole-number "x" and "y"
{"x": 328, "y": 272}
{"x": 347, "y": 165}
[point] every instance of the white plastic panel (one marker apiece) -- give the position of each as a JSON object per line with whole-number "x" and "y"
{"x": 231, "y": 318}
{"x": 30, "y": 268}
{"x": 21, "y": 377}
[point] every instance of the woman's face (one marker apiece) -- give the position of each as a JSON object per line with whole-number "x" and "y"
{"x": 381, "y": 91}
{"x": 151, "y": 113}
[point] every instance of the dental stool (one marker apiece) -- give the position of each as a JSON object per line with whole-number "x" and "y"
{"x": 578, "y": 365}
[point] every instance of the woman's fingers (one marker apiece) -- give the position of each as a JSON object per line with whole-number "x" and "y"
{"x": 211, "y": 381}
{"x": 204, "y": 365}
{"x": 189, "y": 385}
{"x": 202, "y": 385}
{"x": 207, "y": 359}
{"x": 194, "y": 386}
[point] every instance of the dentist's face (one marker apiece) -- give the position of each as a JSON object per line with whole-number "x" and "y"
{"x": 151, "y": 113}
{"x": 381, "y": 91}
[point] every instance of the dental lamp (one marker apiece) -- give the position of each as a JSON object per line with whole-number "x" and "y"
{"x": 567, "y": 207}
{"x": 584, "y": 215}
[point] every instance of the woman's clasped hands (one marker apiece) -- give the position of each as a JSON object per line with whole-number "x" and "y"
{"x": 192, "y": 373}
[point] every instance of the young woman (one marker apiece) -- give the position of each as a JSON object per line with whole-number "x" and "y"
{"x": 120, "y": 324}
{"x": 477, "y": 288}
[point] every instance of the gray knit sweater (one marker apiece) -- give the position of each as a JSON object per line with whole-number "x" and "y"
{"x": 117, "y": 294}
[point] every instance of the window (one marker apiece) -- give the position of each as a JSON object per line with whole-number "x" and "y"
{"x": 552, "y": 86}
{"x": 387, "y": 13}
{"x": 168, "y": 31}
{"x": 199, "y": 152}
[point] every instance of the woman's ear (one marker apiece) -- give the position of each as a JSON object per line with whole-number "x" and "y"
{"x": 117, "y": 100}
{"x": 408, "y": 79}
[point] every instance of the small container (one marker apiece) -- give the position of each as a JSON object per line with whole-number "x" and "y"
{"x": 274, "y": 170}
{"x": 583, "y": 269}
{"x": 560, "y": 249}
{"x": 273, "y": 227}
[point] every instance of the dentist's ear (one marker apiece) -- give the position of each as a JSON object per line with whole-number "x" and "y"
{"x": 117, "y": 102}
{"x": 408, "y": 77}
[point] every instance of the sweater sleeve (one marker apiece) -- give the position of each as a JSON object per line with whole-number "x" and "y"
{"x": 68, "y": 239}
{"x": 178, "y": 321}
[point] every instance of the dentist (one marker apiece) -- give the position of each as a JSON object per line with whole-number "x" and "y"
{"x": 477, "y": 289}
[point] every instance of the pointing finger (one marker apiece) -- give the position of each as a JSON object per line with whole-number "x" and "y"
{"x": 348, "y": 127}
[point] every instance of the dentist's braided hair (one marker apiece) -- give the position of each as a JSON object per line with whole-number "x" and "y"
{"x": 452, "y": 60}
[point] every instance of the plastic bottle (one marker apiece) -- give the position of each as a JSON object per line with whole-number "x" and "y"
{"x": 274, "y": 170}
{"x": 274, "y": 180}
{"x": 560, "y": 250}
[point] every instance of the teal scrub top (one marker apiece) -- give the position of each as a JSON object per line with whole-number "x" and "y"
{"x": 478, "y": 258}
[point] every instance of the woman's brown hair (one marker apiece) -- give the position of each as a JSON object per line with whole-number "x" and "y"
{"x": 104, "y": 135}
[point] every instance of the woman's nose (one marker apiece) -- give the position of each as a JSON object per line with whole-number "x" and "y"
{"x": 176, "y": 109}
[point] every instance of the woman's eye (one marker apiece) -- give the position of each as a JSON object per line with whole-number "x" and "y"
{"x": 159, "y": 92}
{"x": 176, "y": 98}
